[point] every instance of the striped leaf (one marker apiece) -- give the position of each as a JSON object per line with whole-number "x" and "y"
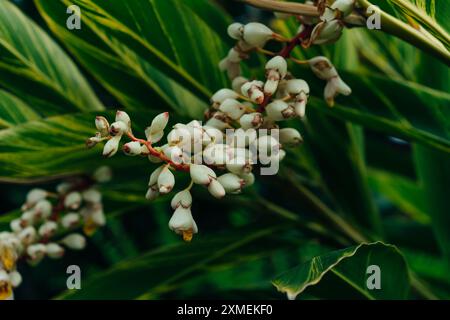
{"x": 53, "y": 147}
{"x": 138, "y": 41}
{"x": 35, "y": 68}
{"x": 14, "y": 111}
{"x": 433, "y": 15}
{"x": 344, "y": 274}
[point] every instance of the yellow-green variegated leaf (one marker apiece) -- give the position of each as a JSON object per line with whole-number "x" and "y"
{"x": 432, "y": 15}
{"x": 136, "y": 51}
{"x": 35, "y": 68}
{"x": 14, "y": 111}
{"x": 53, "y": 147}
{"x": 367, "y": 271}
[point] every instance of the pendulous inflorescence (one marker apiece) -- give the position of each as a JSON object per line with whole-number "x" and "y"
{"x": 241, "y": 129}
{"x": 49, "y": 223}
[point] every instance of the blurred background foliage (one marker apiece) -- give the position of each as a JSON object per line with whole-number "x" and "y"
{"x": 375, "y": 167}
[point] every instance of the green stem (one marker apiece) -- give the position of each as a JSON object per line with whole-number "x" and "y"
{"x": 404, "y": 31}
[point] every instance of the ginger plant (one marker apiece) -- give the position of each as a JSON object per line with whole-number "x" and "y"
{"x": 49, "y": 223}
{"x": 241, "y": 127}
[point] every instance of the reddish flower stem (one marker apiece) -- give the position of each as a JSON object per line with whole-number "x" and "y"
{"x": 152, "y": 151}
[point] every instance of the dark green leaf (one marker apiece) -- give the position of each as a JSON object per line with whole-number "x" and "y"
{"x": 350, "y": 267}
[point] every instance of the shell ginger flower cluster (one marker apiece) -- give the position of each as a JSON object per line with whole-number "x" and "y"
{"x": 325, "y": 29}
{"x": 241, "y": 128}
{"x": 48, "y": 225}
{"x": 220, "y": 154}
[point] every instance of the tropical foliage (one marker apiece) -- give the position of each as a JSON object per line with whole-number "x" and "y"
{"x": 369, "y": 185}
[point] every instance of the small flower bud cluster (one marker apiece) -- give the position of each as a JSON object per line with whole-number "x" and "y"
{"x": 48, "y": 225}
{"x": 324, "y": 69}
{"x": 331, "y": 24}
{"x": 202, "y": 150}
{"x": 249, "y": 37}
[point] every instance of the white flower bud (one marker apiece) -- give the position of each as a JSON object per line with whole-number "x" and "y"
{"x": 239, "y": 165}
{"x": 279, "y": 64}
{"x": 249, "y": 179}
{"x": 63, "y": 187}
{"x": 237, "y": 83}
{"x": 182, "y": 198}
{"x": 34, "y": 196}
{"x": 329, "y": 15}
{"x": 154, "y": 176}
{"x": 234, "y": 56}
{"x": 111, "y": 146}
{"x": 132, "y": 148}
{"x": 48, "y": 229}
{"x": 218, "y": 154}
{"x": 15, "y": 278}
{"x": 278, "y": 156}
{"x": 326, "y": 32}
{"x": 70, "y": 220}
{"x": 300, "y": 107}
{"x": 102, "y": 174}
{"x": 27, "y": 235}
{"x": 154, "y": 133}
{"x": 36, "y": 252}
{"x": 201, "y": 174}
{"x": 267, "y": 145}
{"x": 241, "y": 138}
{"x": 251, "y": 120}
{"x": 174, "y": 153}
{"x": 183, "y": 223}
{"x": 232, "y": 108}
{"x": 231, "y": 182}
{"x": 236, "y": 30}
{"x": 166, "y": 181}
{"x": 74, "y": 241}
{"x": 102, "y": 126}
{"x": 216, "y": 189}
{"x": 297, "y": 86}
{"x": 254, "y": 91}
{"x": 8, "y": 255}
{"x": 6, "y": 292}
{"x": 92, "y": 141}
{"x": 276, "y": 70}
{"x": 54, "y": 250}
{"x": 122, "y": 116}
{"x": 257, "y": 34}
{"x": 152, "y": 193}
{"x": 211, "y": 135}
{"x": 92, "y": 195}
{"x": 218, "y": 121}
{"x": 118, "y": 128}
{"x": 179, "y": 134}
{"x": 279, "y": 110}
{"x": 243, "y": 153}
{"x": 16, "y": 225}
{"x": 334, "y": 87}
{"x": 290, "y": 137}
{"x": 97, "y": 217}
{"x": 223, "y": 94}
{"x": 345, "y": 7}
{"x": 72, "y": 200}
{"x": 43, "y": 209}
{"x": 322, "y": 68}
{"x": 28, "y": 218}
